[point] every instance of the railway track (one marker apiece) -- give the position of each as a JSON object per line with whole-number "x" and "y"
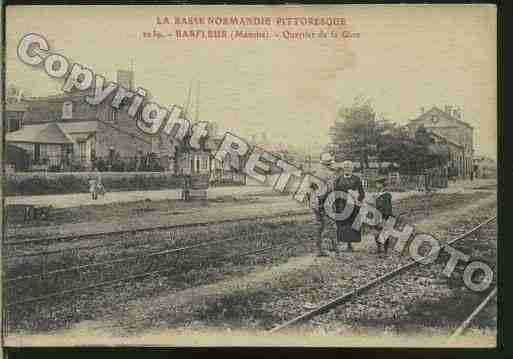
{"x": 179, "y": 250}
{"x": 466, "y": 323}
{"x": 112, "y": 243}
{"x": 11, "y": 282}
{"x": 86, "y": 236}
{"x": 347, "y": 297}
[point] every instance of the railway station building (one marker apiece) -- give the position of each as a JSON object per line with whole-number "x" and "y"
{"x": 447, "y": 128}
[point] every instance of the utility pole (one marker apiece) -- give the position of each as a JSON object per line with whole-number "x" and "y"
{"x": 132, "y": 75}
{"x": 187, "y": 102}
{"x": 197, "y": 101}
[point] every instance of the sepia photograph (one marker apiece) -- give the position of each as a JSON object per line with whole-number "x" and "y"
{"x": 250, "y": 175}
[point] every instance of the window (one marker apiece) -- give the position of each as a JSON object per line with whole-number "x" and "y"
{"x": 66, "y": 153}
{"x": 45, "y": 152}
{"x": 14, "y": 124}
{"x": 82, "y": 151}
{"x": 204, "y": 163}
{"x": 67, "y": 110}
{"x": 112, "y": 115}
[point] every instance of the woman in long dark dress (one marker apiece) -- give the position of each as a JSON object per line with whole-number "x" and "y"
{"x": 347, "y": 182}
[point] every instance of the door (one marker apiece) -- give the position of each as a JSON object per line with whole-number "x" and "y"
{"x": 37, "y": 152}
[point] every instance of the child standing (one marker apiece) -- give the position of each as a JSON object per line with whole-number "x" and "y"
{"x": 384, "y": 205}
{"x": 93, "y": 188}
{"x": 99, "y": 184}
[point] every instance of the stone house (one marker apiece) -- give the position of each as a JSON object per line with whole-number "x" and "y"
{"x": 446, "y": 127}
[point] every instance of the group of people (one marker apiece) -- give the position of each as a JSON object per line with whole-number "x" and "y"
{"x": 345, "y": 181}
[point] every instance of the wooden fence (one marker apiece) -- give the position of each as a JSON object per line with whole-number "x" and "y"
{"x": 435, "y": 178}
{"x": 421, "y": 182}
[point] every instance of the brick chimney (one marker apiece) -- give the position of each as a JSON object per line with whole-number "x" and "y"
{"x": 422, "y": 110}
{"x": 126, "y": 79}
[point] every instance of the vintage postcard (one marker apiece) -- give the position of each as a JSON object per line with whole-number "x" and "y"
{"x": 250, "y": 175}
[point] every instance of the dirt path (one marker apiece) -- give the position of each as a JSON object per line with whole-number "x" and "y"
{"x": 84, "y": 199}
{"x": 250, "y": 207}
{"x": 252, "y": 202}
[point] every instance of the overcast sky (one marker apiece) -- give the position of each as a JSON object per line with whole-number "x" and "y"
{"x": 406, "y": 57}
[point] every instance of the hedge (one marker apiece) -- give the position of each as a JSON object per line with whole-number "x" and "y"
{"x": 60, "y": 183}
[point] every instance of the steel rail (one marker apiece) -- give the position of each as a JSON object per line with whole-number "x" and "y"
{"x": 471, "y": 317}
{"x": 104, "y": 245}
{"x": 134, "y": 245}
{"x": 79, "y": 237}
{"x": 136, "y": 257}
{"x": 119, "y": 281}
{"x": 145, "y": 229}
{"x": 369, "y": 285}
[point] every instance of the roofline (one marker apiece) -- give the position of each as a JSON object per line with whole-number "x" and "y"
{"x": 446, "y": 139}
{"x": 65, "y": 133}
{"x": 64, "y": 121}
{"x": 446, "y": 114}
{"x": 61, "y": 122}
{"x": 75, "y": 132}
{"x": 46, "y": 143}
{"x": 60, "y": 96}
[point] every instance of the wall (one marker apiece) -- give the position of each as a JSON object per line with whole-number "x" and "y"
{"x": 127, "y": 140}
{"x": 124, "y": 144}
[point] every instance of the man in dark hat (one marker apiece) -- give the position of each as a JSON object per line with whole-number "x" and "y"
{"x": 316, "y": 203}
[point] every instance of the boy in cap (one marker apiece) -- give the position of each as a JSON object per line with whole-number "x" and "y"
{"x": 384, "y": 205}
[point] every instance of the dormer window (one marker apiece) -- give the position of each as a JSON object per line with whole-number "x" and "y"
{"x": 67, "y": 110}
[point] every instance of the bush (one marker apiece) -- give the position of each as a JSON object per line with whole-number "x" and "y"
{"x": 59, "y": 183}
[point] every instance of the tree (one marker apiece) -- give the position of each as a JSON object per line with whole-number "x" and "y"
{"x": 414, "y": 155}
{"x": 355, "y": 133}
